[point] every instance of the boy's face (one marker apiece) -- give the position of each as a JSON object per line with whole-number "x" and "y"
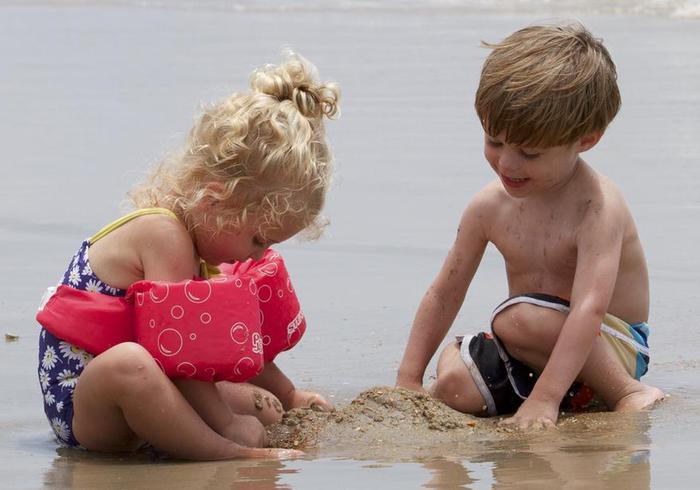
{"x": 528, "y": 171}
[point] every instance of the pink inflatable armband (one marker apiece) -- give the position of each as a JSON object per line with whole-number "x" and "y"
{"x": 92, "y": 321}
{"x": 223, "y": 328}
{"x": 283, "y": 322}
{"x": 203, "y": 329}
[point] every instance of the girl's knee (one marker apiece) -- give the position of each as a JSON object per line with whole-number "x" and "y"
{"x": 268, "y": 408}
{"x": 127, "y": 363}
{"x": 248, "y": 399}
{"x": 248, "y": 431}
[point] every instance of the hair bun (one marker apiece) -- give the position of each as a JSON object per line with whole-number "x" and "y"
{"x": 296, "y": 80}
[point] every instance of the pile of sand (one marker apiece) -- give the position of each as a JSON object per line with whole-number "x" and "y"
{"x": 381, "y": 417}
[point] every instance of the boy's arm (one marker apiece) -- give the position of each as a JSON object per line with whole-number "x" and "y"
{"x": 597, "y": 264}
{"x": 442, "y": 301}
{"x": 275, "y": 381}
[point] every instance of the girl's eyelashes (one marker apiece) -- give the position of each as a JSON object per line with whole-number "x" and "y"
{"x": 258, "y": 242}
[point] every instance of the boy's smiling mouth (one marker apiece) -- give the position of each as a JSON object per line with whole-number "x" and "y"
{"x": 514, "y": 181}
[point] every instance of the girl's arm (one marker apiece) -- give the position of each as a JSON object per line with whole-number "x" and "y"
{"x": 442, "y": 301}
{"x": 275, "y": 381}
{"x": 165, "y": 249}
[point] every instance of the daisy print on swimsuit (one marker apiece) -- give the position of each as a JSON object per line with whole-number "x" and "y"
{"x": 74, "y": 353}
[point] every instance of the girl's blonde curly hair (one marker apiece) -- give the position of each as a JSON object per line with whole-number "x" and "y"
{"x": 266, "y": 151}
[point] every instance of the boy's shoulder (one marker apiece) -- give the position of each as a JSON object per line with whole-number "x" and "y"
{"x": 490, "y": 197}
{"x": 592, "y": 202}
{"x": 484, "y": 203}
{"x": 592, "y": 187}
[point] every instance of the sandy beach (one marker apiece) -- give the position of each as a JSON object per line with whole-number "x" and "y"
{"x": 93, "y": 92}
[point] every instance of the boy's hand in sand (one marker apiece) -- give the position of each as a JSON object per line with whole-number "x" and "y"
{"x": 302, "y": 398}
{"x": 533, "y": 414}
{"x": 410, "y": 385}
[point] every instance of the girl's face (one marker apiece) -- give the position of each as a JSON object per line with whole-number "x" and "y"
{"x": 239, "y": 243}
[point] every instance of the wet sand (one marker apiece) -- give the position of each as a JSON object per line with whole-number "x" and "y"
{"x": 91, "y": 94}
{"x": 379, "y": 418}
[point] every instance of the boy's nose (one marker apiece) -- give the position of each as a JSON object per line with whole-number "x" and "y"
{"x": 509, "y": 161}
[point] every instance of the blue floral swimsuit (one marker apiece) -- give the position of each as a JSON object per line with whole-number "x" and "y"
{"x": 61, "y": 363}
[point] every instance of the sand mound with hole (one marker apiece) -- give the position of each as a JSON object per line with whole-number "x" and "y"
{"x": 378, "y": 417}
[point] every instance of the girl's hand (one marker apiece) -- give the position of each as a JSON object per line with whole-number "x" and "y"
{"x": 533, "y": 414}
{"x": 271, "y": 453}
{"x": 302, "y": 398}
{"x": 286, "y": 453}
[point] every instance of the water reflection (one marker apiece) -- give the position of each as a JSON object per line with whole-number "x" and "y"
{"x": 598, "y": 450}
{"x": 604, "y": 450}
{"x": 86, "y": 471}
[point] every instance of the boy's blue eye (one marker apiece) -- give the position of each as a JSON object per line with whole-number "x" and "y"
{"x": 494, "y": 143}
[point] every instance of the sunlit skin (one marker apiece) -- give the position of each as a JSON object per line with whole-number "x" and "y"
{"x": 562, "y": 229}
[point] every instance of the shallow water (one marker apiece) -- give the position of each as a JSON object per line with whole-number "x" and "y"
{"x": 91, "y": 93}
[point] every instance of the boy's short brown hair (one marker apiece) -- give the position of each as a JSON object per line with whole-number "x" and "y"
{"x": 547, "y": 86}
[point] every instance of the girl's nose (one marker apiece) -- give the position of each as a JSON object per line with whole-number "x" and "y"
{"x": 258, "y": 255}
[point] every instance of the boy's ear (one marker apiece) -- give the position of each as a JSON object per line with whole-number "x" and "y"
{"x": 588, "y": 141}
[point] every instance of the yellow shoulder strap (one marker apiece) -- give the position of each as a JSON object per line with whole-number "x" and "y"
{"x": 207, "y": 271}
{"x": 125, "y": 219}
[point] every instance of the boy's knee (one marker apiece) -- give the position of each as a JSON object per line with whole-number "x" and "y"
{"x": 446, "y": 381}
{"x": 447, "y": 385}
{"x": 515, "y": 323}
{"x": 454, "y": 385}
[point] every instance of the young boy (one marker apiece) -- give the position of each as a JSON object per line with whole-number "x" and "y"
{"x": 547, "y": 94}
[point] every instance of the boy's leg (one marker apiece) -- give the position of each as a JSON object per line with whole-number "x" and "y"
{"x": 454, "y": 385}
{"x": 248, "y": 399}
{"x": 122, "y": 399}
{"x": 530, "y": 332}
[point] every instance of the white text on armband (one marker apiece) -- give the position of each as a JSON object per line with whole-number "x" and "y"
{"x": 294, "y": 324}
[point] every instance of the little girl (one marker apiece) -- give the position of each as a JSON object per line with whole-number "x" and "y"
{"x": 254, "y": 171}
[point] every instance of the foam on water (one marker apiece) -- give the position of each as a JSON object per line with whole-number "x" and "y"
{"x": 684, "y": 9}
